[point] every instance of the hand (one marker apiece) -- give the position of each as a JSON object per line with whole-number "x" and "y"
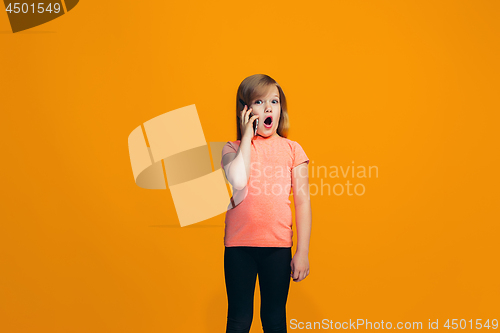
{"x": 246, "y": 125}
{"x": 300, "y": 267}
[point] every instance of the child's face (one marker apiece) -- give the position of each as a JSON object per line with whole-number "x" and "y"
{"x": 267, "y": 106}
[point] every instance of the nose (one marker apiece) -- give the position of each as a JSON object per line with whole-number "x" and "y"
{"x": 268, "y": 107}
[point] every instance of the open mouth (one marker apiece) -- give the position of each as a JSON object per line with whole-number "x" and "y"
{"x": 268, "y": 122}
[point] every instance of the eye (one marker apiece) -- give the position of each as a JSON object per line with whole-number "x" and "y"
{"x": 258, "y": 101}
{"x": 276, "y": 101}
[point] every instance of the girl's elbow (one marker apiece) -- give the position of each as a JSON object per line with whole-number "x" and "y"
{"x": 237, "y": 184}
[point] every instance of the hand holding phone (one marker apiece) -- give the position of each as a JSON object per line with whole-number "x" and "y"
{"x": 255, "y": 122}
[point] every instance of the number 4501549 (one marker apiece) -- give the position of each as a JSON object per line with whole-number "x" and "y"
{"x": 462, "y": 324}
{"x": 25, "y": 8}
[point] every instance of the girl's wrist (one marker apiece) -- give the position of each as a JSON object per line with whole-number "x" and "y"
{"x": 302, "y": 252}
{"x": 246, "y": 139}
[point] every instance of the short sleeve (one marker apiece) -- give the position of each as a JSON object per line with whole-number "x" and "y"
{"x": 299, "y": 156}
{"x": 228, "y": 148}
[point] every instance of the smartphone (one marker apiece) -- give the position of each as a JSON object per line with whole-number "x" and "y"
{"x": 255, "y": 123}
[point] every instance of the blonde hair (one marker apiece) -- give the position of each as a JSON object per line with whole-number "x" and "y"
{"x": 254, "y": 86}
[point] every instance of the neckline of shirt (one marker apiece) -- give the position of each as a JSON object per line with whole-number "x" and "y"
{"x": 260, "y": 138}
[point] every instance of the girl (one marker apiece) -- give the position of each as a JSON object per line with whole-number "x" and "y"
{"x": 262, "y": 166}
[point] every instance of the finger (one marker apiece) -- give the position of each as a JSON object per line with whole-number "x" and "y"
{"x": 247, "y": 113}
{"x": 244, "y": 116}
{"x": 251, "y": 120}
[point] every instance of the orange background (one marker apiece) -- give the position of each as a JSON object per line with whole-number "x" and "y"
{"x": 408, "y": 86}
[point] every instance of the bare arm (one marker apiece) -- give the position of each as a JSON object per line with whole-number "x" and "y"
{"x": 303, "y": 220}
{"x": 237, "y": 165}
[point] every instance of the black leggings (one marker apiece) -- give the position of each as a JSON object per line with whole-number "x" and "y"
{"x": 241, "y": 266}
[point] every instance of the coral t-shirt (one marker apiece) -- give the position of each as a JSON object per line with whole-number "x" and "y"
{"x": 264, "y": 217}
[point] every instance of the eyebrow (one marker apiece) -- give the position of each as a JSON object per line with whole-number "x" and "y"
{"x": 258, "y": 98}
